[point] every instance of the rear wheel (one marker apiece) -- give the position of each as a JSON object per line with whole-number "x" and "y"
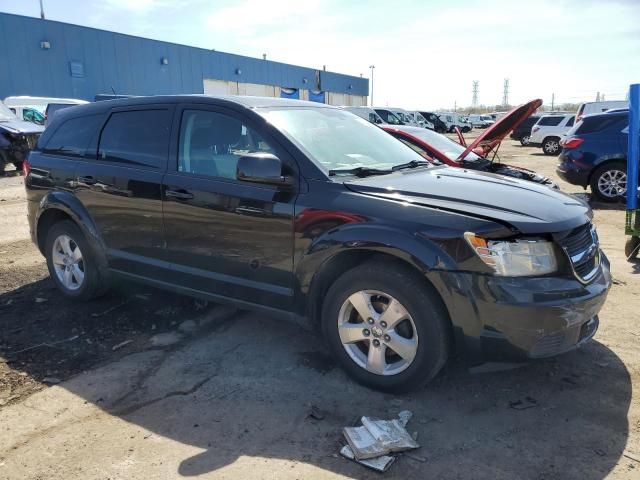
{"x": 609, "y": 182}
{"x": 387, "y": 328}
{"x": 524, "y": 141}
{"x": 551, "y": 146}
{"x": 71, "y": 262}
{"x": 631, "y": 247}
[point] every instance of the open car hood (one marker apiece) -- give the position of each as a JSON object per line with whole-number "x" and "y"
{"x": 492, "y": 136}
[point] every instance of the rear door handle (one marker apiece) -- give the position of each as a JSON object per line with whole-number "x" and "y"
{"x": 178, "y": 194}
{"x": 87, "y": 180}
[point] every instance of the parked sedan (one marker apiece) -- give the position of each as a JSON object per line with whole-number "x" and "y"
{"x": 594, "y": 154}
{"x": 440, "y": 149}
{"x": 17, "y": 138}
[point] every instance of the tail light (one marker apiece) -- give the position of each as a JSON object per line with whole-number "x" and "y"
{"x": 26, "y": 166}
{"x": 571, "y": 142}
{"x": 535, "y": 129}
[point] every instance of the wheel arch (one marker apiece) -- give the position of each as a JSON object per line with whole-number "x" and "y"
{"x": 601, "y": 161}
{"x": 58, "y": 206}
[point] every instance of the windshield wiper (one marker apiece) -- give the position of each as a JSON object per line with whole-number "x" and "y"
{"x": 411, "y": 164}
{"x": 358, "y": 171}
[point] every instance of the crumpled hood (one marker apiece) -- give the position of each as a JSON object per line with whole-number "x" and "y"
{"x": 20, "y": 126}
{"x": 530, "y": 208}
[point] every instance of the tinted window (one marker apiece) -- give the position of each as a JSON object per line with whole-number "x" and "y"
{"x": 211, "y": 143}
{"x": 73, "y": 136}
{"x": 550, "y": 121}
{"x": 139, "y": 138}
{"x": 570, "y": 122}
{"x": 601, "y": 122}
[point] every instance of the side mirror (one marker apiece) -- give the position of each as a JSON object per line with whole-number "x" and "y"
{"x": 262, "y": 168}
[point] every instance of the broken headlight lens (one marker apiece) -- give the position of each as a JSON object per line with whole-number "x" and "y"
{"x": 515, "y": 258}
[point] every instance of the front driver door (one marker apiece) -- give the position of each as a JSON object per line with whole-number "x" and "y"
{"x": 227, "y": 237}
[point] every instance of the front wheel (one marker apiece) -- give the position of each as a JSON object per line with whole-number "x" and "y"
{"x": 71, "y": 262}
{"x": 609, "y": 182}
{"x": 386, "y": 326}
{"x": 551, "y": 146}
{"x": 524, "y": 141}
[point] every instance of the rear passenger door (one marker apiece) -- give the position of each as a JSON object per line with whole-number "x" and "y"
{"x": 120, "y": 185}
{"x": 227, "y": 237}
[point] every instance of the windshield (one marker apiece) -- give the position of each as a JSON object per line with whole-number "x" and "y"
{"x": 447, "y": 146}
{"x": 420, "y": 118}
{"x": 337, "y": 140}
{"x": 6, "y": 114}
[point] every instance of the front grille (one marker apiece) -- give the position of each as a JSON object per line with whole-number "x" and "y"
{"x": 583, "y": 250}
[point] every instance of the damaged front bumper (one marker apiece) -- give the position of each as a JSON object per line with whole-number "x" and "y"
{"x": 527, "y": 318}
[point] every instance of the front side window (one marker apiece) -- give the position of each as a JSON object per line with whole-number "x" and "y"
{"x": 73, "y": 136}
{"x": 211, "y": 143}
{"x": 335, "y": 140}
{"x": 137, "y": 138}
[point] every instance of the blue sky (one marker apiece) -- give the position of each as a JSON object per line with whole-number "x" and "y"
{"x": 427, "y": 53}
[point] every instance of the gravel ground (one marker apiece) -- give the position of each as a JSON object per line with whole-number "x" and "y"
{"x": 145, "y": 384}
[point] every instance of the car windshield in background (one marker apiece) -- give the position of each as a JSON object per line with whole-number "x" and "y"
{"x": 447, "y": 146}
{"x": 338, "y": 140}
{"x": 6, "y": 114}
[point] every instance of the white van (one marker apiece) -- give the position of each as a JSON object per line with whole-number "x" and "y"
{"x": 402, "y": 114}
{"x": 453, "y": 120}
{"x": 420, "y": 120}
{"x": 588, "y": 108}
{"x": 27, "y": 108}
{"x": 367, "y": 113}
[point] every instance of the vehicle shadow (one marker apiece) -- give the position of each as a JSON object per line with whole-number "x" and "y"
{"x": 243, "y": 386}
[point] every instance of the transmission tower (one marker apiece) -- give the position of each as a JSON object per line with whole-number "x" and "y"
{"x": 474, "y": 101}
{"x": 505, "y": 93}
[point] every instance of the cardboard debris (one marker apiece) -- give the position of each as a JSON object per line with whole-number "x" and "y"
{"x": 381, "y": 464}
{"x": 376, "y": 438}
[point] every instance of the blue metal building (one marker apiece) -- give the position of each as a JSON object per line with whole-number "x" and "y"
{"x": 53, "y": 59}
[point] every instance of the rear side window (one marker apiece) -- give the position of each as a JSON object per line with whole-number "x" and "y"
{"x": 570, "y": 122}
{"x": 137, "y": 138}
{"x": 601, "y": 122}
{"x": 550, "y": 121}
{"x": 73, "y": 136}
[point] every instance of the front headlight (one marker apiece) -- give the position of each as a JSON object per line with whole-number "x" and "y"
{"x": 515, "y": 258}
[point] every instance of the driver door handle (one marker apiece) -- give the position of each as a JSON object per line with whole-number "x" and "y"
{"x": 178, "y": 194}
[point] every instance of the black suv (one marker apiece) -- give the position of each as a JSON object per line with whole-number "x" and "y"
{"x": 522, "y": 132}
{"x": 304, "y": 210}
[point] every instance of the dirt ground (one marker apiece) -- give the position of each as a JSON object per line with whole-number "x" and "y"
{"x": 142, "y": 384}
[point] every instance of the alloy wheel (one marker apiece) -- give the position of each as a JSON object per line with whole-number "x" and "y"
{"x": 525, "y": 140}
{"x": 377, "y": 332}
{"x": 68, "y": 262}
{"x": 552, "y": 146}
{"x": 612, "y": 183}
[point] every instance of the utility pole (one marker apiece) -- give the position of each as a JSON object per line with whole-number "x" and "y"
{"x": 505, "y": 93}
{"x": 598, "y": 97}
{"x": 602, "y": 97}
{"x": 553, "y": 100}
{"x": 455, "y": 106}
{"x": 41, "y": 10}
{"x": 474, "y": 101}
{"x": 372, "y": 67}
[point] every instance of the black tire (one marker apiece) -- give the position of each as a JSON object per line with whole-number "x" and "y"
{"x": 631, "y": 247}
{"x": 3, "y": 161}
{"x": 422, "y": 303}
{"x": 597, "y": 178}
{"x": 551, "y": 146}
{"x": 524, "y": 141}
{"x": 93, "y": 284}
{"x": 18, "y": 165}
{"x": 452, "y": 129}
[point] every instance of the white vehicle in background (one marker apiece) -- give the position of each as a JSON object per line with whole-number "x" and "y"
{"x": 588, "y": 108}
{"x": 420, "y": 120}
{"x": 453, "y": 120}
{"x": 549, "y": 130}
{"x": 480, "y": 121}
{"x": 403, "y": 115}
{"x": 23, "y": 103}
{"x": 388, "y": 116}
{"x": 367, "y": 113}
